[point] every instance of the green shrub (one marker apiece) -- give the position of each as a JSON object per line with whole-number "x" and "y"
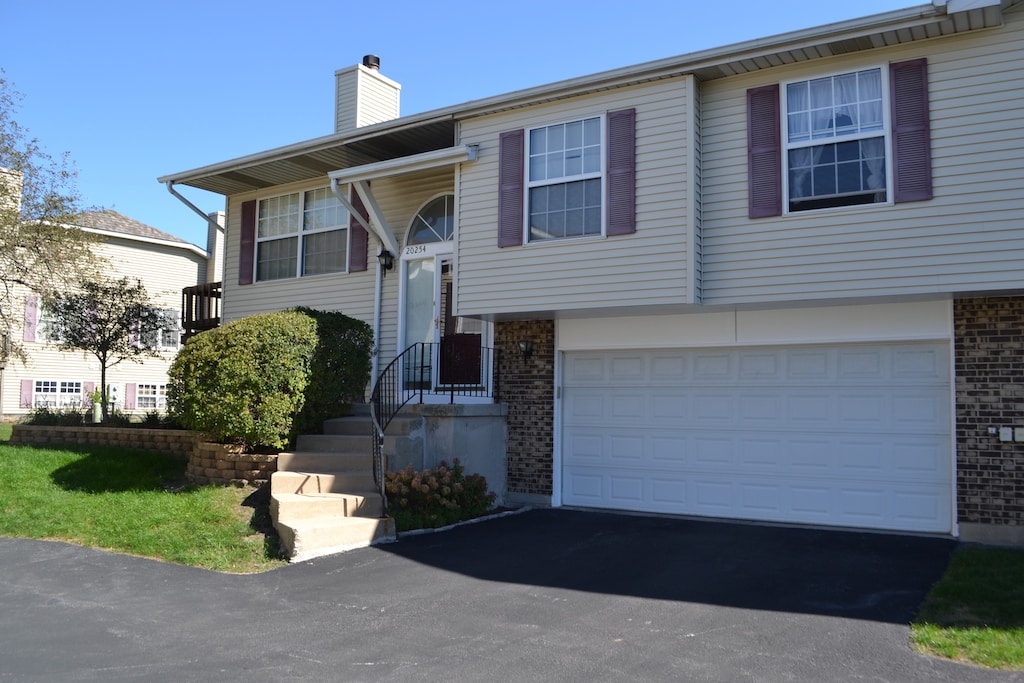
{"x": 115, "y": 418}
{"x": 60, "y": 417}
{"x": 339, "y": 370}
{"x": 437, "y": 497}
{"x": 152, "y": 419}
{"x": 245, "y": 381}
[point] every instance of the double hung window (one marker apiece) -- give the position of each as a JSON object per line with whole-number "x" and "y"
{"x": 836, "y": 140}
{"x": 565, "y": 180}
{"x": 57, "y": 394}
{"x": 168, "y": 337}
{"x": 299, "y": 234}
{"x": 151, "y": 396}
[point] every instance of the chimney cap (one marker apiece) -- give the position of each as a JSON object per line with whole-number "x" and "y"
{"x": 372, "y": 62}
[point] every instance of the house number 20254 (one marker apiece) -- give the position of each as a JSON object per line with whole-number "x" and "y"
{"x": 415, "y": 249}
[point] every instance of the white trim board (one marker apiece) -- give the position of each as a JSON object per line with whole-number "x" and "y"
{"x": 908, "y": 321}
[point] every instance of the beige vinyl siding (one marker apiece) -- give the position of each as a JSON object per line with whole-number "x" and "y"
{"x": 351, "y": 293}
{"x": 400, "y": 198}
{"x": 968, "y": 238}
{"x": 163, "y": 270}
{"x": 583, "y": 273}
{"x": 694, "y": 262}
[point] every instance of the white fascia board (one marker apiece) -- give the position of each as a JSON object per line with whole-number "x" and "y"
{"x": 954, "y": 6}
{"x": 410, "y": 164}
{"x": 188, "y": 246}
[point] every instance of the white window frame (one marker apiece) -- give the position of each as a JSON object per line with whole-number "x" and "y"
{"x": 885, "y": 133}
{"x": 300, "y": 232}
{"x": 44, "y": 325}
{"x": 162, "y": 343}
{"x": 58, "y": 394}
{"x": 155, "y": 392}
{"x": 530, "y": 184}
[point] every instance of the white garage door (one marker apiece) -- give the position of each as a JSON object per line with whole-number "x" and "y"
{"x": 848, "y": 435}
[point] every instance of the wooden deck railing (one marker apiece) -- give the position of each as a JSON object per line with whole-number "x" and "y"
{"x": 200, "y": 308}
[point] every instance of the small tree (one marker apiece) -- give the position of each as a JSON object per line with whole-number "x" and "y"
{"x": 39, "y": 248}
{"x": 109, "y": 319}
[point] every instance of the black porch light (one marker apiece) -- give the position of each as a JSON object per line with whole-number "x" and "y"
{"x": 386, "y": 260}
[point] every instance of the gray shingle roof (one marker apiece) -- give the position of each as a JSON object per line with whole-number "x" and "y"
{"x": 112, "y": 221}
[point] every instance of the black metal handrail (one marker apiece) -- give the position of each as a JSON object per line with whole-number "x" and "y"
{"x": 464, "y": 369}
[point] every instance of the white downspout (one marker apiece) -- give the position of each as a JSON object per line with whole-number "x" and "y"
{"x": 378, "y": 294}
{"x": 170, "y": 188}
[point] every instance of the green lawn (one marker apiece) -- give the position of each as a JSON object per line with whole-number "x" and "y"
{"x": 131, "y": 502}
{"x": 976, "y": 612}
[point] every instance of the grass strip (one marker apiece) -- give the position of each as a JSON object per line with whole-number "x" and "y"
{"x": 132, "y": 502}
{"x": 975, "y": 613}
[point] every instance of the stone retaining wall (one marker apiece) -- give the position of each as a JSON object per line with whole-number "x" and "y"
{"x": 176, "y": 443}
{"x": 218, "y": 463}
{"x": 208, "y": 463}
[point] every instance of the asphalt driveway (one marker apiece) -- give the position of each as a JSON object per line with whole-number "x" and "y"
{"x": 546, "y": 595}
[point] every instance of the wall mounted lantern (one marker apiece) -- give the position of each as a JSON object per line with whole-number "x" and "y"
{"x": 386, "y": 260}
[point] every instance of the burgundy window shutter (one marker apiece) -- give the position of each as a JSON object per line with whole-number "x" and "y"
{"x": 764, "y": 152}
{"x": 510, "y": 188}
{"x": 31, "y": 318}
{"x": 358, "y": 239}
{"x": 87, "y": 389}
{"x": 247, "y": 246}
{"x": 129, "y": 396}
{"x": 621, "y": 172}
{"x": 27, "y": 390}
{"x": 911, "y": 131}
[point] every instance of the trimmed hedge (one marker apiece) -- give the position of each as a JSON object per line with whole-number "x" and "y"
{"x": 260, "y": 380}
{"x": 340, "y": 368}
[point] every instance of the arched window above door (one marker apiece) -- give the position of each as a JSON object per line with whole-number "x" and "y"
{"x": 435, "y": 222}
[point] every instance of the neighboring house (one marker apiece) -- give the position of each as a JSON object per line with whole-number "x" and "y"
{"x": 59, "y": 380}
{"x": 780, "y": 281}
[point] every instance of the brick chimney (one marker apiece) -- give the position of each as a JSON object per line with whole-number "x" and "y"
{"x": 363, "y": 96}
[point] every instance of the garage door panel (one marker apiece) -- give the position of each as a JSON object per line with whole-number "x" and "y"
{"x": 626, "y": 490}
{"x": 851, "y": 436}
{"x": 922, "y": 459}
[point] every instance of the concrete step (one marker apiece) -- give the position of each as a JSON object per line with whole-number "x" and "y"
{"x": 326, "y": 461}
{"x": 354, "y": 425}
{"x": 322, "y": 482}
{"x": 287, "y": 507}
{"x": 343, "y": 443}
{"x": 362, "y": 425}
{"x": 306, "y": 539}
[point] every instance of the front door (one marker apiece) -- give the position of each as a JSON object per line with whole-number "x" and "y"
{"x": 447, "y": 349}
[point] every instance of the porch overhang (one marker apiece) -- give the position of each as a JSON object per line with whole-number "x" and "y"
{"x": 312, "y": 159}
{"x": 359, "y": 178}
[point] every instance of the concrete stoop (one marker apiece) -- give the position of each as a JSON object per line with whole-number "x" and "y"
{"x": 323, "y": 499}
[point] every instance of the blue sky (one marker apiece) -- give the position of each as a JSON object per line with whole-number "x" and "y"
{"x": 135, "y": 90}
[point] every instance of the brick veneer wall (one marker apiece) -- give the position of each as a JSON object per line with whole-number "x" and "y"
{"x": 527, "y": 387}
{"x": 989, "y": 352}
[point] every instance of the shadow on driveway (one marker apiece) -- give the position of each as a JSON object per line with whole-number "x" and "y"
{"x": 861, "y": 575}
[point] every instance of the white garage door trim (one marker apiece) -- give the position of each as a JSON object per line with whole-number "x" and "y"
{"x": 855, "y": 435}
